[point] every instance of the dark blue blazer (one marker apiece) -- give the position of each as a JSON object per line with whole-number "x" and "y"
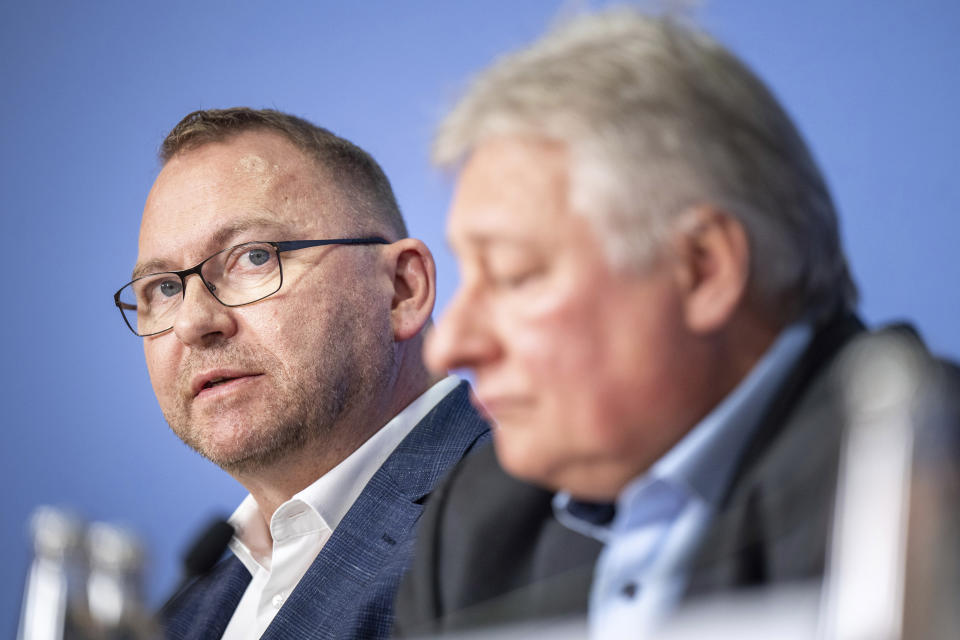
{"x": 349, "y": 589}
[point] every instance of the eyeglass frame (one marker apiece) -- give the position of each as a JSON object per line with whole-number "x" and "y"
{"x": 280, "y": 247}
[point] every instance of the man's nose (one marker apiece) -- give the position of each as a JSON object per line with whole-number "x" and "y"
{"x": 201, "y": 319}
{"x": 463, "y": 338}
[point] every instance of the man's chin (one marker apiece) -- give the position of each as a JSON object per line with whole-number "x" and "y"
{"x": 241, "y": 449}
{"x": 589, "y": 478}
{"x": 242, "y": 459}
{"x": 522, "y": 460}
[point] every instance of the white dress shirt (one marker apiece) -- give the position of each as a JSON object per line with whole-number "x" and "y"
{"x": 278, "y": 557}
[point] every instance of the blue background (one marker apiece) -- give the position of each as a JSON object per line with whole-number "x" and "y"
{"x": 90, "y": 88}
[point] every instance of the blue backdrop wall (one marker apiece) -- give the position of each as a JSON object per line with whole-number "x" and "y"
{"x": 90, "y": 88}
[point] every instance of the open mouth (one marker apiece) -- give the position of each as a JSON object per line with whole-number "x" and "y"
{"x": 229, "y": 378}
{"x": 216, "y": 382}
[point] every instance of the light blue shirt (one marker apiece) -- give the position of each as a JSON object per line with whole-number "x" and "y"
{"x": 662, "y": 515}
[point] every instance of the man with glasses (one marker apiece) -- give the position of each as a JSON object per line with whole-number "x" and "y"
{"x": 281, "y": 307}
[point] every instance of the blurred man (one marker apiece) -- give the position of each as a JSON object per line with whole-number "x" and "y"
{"x": 653, "y": 299}
{"x": 282, "y": 308}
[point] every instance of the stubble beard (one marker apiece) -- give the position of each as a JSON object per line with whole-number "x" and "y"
{"x": 353, "y": 363}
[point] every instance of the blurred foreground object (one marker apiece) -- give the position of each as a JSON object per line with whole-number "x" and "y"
{"x": 51, "y": 581}
{"x": 895, "y": 568}
{"x": 85, "y": 582}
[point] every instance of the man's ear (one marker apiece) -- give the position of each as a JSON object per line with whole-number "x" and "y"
{"x": 414, "y": 287}
{"x": 713, "y": 267}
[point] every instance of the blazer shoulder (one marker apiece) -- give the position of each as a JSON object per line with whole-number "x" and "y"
{"x": 489, "y": 551}
{"x": 204, "y": 607}
{"x": 774, "y": 523}
{"x": 442, "y": 438}
{"x": 349, "y": 589}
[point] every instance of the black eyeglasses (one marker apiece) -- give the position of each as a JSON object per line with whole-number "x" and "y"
{"x": 240, "y": 275}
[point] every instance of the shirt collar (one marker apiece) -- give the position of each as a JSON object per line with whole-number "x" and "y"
{"x": 704, "y": 459}
{"x": 702, "y": 462}
{"x": 335, "y": 492}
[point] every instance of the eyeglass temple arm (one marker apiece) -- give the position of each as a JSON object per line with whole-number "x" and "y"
{"x": 293, "y": 245}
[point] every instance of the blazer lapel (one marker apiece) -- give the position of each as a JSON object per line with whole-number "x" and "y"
{"x": 207, "y": 616}
{"x": 372, "y": 545}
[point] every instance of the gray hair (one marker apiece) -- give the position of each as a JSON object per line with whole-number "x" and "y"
{"x": 659, "y": 118}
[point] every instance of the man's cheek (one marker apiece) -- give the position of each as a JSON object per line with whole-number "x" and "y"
{"x": 560, "y": 349}
{"x": 153, "y": 370}
{"x": 162, "y": 373}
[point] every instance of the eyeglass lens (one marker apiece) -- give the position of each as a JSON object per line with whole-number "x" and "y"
{"x": 235, "y": 276}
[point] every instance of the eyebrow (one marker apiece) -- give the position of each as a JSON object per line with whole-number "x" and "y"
{"x": 220, "y": 238}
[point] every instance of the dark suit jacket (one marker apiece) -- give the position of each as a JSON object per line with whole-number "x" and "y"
{"x": 772, "y": 526}
{"x": 349, "y": 589}
{"x": 776, "y": 517}
{"x": 489, "y": 551}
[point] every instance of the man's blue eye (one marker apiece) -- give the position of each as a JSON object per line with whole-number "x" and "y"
{"x": 170, "y": 288}
{"x": 258, "y": 256}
